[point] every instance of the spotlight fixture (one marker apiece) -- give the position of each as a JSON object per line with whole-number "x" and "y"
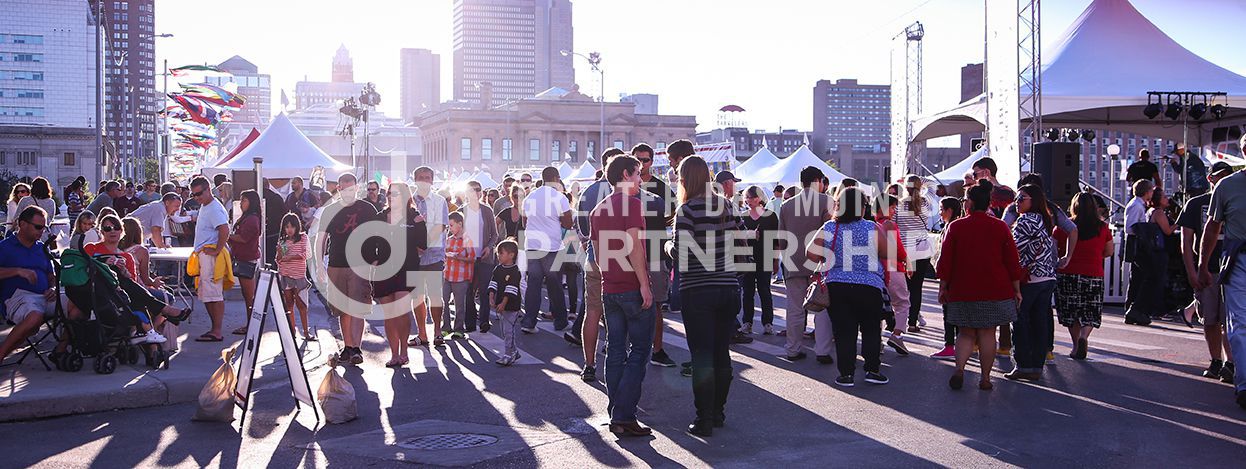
{"x": 1173, "y": 111}
{"x": 1218, "y": 111}
{"x": 1197, "y": 111}
{"x": 1088, "y": 135}
{"x": 1152, "y": 110}
{"x": 1071, "y": 134}
{"x": 1053, "y": 134}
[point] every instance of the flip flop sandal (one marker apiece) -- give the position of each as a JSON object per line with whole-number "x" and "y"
{"x": 240, "y": 331}
{"x": 208, "y": 338}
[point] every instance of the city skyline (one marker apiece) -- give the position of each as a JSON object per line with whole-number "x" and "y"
{"x": 765, "y": 73}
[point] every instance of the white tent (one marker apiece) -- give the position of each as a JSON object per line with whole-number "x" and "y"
{"x": 787, "y": 171}
{"x": 712, "y": 153}
{"x": 564, "y": 170}
{"x": 760, "y": 161}
{"x": 286, "y": 151}
{"x": 485, "y": 179}
{"x": 1097, "y": 74}
{"x": 585, "y": 172}
{"x": 957, "y": 171}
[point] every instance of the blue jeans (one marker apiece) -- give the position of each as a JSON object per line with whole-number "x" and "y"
{"x": 1032, "y": 333}
{"x": 543, "y": 272}
{"x": 629, "y": 337}
{"x": 1235, "y": 322}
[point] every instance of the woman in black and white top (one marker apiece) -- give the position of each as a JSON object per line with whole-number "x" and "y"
{"x": 760, "y": 226}
{"x": 705, "y": 223}
{"x": 913, "y": 218}
{"x": 1033, "y": 329}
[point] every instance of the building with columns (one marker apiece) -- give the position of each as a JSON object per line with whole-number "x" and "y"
{"x": 554, "y": 126}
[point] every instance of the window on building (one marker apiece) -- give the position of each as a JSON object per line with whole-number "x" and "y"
{"x": 619, "y": 144}
{"x": 486, "y": 149}
{"x": 534, "y": 149}
{"x": 592, "y": 149}
{"x": 465, "y": 151}
{"x": 555, "y": 149}
{"x": 26, "y": 158}
{"x": 573, "y": 151}
{"x": 506, "y": 149}
{"x": 70, "y": 159}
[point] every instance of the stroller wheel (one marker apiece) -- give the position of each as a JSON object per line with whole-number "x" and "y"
{"x": 71, "y": 362}
{"x": 131, "y": 355}
{"x": 106, "y": 364}
{"x": 157, "y": 359}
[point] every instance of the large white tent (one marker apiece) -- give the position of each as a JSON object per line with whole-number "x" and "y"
{"x": 957, "y": 171}
{"x": 585, "y": 172}
{"x": 787, "y": 170}
{"x": 760, "y": 161}
{"x": 485, "y": 179}
{"x": 712, "y": 153}
{"x": 1097, "y": 74}
{"x": 564, "y": 170}
{"x": 286, "y": 151}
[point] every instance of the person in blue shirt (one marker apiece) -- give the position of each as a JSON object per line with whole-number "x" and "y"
{"x": 26, "y": 279}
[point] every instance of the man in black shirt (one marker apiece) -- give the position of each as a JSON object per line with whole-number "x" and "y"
{"x": 349, "y": 295}
{"x": 1144, "y": 169}
{"x": 1208, "y": 298}
{"x": 659, "y": 212}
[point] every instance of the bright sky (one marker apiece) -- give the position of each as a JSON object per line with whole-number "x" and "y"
{"x": 697, "y": 55}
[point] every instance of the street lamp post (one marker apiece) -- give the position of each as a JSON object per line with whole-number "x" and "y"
{"x": 594, "y": 60}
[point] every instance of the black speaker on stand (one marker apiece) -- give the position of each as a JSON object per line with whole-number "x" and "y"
{"x": 1059, "y": 165}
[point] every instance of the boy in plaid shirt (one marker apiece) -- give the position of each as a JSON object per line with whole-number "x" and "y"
{"x": 504, "y": 297}
{"x": 460, "y": 260}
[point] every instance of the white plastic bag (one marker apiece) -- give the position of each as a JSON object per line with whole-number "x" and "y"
{"x": 337, "y": 396}
{"x": 216, "y": 400}
{"x": 170, "y": 331}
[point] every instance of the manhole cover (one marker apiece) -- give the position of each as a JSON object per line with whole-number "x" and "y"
{"x": 449, "y": 441}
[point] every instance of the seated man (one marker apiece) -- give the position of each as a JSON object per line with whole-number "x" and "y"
{"x": 26, "y": 280}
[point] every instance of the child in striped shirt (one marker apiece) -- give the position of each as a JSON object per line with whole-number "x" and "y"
{"x": 460, "y": 261}
{"x": 504, "y": 297}
{"x": 292, "y": 270}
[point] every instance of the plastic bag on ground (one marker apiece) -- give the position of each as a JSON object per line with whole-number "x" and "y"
{"x": 337, "y": 396}
{"x": 216, "y": 400}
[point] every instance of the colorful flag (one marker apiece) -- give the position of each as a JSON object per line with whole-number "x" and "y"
{"x": 183, "y": 70}
{"x": 199, "y": 111}
{"x": 214, "y": 94}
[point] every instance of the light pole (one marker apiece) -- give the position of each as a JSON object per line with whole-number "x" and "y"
{"x": 162, "y": 137}
{"x": 594, "y": 60}
{"x": 1114, "y": 152}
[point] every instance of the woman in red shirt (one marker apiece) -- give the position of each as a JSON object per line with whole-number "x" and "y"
{"x": 109, "y": 251}
{"x": 1079, "y": 285}
{"x": 244, "y": 248}
{"x": 979, "y": 282}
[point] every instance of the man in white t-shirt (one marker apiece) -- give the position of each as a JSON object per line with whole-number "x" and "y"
{"x": 211, "y": 231}
{"x": 548, "y": 212}
{"x": 154, "y": 217}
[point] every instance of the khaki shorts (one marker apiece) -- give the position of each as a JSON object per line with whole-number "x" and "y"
{"x": 428, "y": 283}
{"x": 659, "y": 283}
{"x": 592, "y": 290}
{"x": 347, "y": 292}
{"x": 1211, "y": 303}
{"x": 210, "y": 291}
{"x": 24, "y": 303}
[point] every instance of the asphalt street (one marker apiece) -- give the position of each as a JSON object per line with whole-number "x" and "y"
{"x": 1138, "y": 402}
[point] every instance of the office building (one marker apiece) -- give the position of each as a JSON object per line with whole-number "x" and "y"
{"x": 847, "y": 112}
{"x": 343, "y": 66}
{"x": 421, "y": 82}
{"x": 645, "y": 103}
{"x": 310, "y": 93}
{"x": 257, "y": 111}
{"x": 513, "y": 44}
{"x": 130, "y": 99}
{"x": 554, "y": 127}
{"x": 748, "y": 142}
{"x": 48, "y": 90}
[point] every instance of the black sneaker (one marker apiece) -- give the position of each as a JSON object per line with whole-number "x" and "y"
{"x": 571, "y": 338}
{"x": 1213, "y": 370}
{"x": 876, "y": 378}
{"x": 484, "y": 328}
{"x": 589, "y": 374}
{"x": 825, "y": 359}
{"x": 1241, "y": 399}
{"x": 1226, "y": 373}
{"x": 660, "y": 358}
{"x": 845, "y": 381}
{"x": 741, "y": 338}
{"x": 685, "y": 369}
{"x": 792, "y": 358}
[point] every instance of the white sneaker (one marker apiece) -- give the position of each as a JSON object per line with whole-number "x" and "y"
{"x": 921, "y": 321}
{"x": 747, "y": 328}
{"x": 154, "y": 337}
{"x": 768, "y": 329}
{"x": 138, "y": 337}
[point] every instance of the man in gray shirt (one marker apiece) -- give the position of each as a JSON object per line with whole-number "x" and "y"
{"x": 112, "y": 190}
{"x": 154, "y": 218}
{"x": 800, "y": 217}
{"x": 1227, "y": 213}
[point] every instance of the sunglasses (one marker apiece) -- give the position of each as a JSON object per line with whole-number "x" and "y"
{"x": 110, "y": 228}
{"x": 197, "y": 194}
{"x": 645, "y": 160}
{"x": 372, "y": 190}
{"x": 38, "y": 227}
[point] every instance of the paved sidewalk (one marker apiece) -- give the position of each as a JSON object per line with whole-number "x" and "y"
{"x": 30, "y": 391}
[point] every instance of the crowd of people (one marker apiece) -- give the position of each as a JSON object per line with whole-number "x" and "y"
{"x": 634, "y": 246}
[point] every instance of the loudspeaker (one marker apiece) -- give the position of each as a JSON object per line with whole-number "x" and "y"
{"x": 1058, "y": 163}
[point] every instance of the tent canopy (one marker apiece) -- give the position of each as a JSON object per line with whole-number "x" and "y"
{"x": 585, "y": 172}
{"x": 485, "y": 179}
{"x": 787, "y": 171}
{"x": 564, "y": 170}
{"x": 1097, "y": 75}
{"x": 712, "y": 153}
{"x": 760, "y": 161}
{"x": 286, "y": 151}
{"x": 957, "y": 171}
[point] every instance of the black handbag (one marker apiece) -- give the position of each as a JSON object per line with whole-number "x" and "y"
{"x": 244, "y": 269}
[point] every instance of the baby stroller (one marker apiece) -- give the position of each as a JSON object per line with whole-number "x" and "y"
{"x": 104, "y": 332}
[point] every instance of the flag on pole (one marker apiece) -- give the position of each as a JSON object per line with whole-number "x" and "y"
{"x": 183, "y": 70}
{"x": 285, "y": 102}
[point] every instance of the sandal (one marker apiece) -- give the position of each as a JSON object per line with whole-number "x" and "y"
{"x": 206, "y": 337}
{"x": 439, "y": 342}
{"x": 393, "y": 363}
{"x": 417, "y": 342}
{"x": 240, "y": 331}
